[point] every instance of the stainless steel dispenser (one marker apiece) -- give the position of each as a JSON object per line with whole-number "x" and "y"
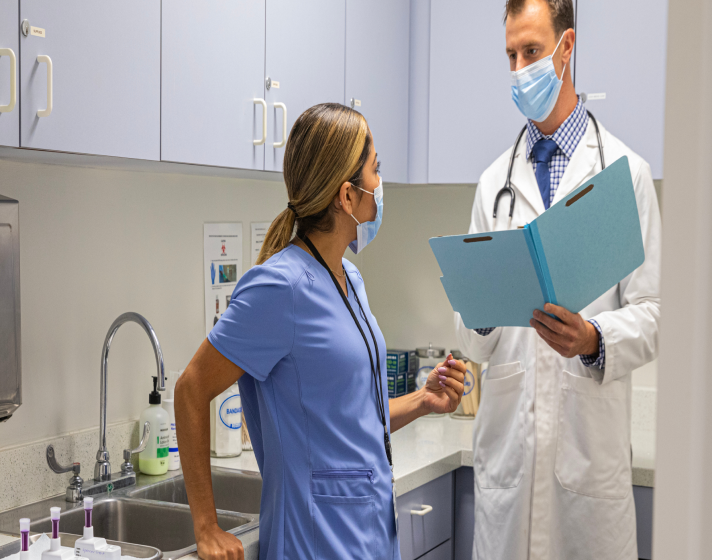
{"x": 10, "y": 362}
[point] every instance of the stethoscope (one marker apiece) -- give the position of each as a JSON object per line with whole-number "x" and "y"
{"x": 507, "y": 188}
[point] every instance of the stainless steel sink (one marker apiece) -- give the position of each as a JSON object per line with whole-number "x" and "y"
{"x": 168, "y": 527}
{"x": 233, "y": 490}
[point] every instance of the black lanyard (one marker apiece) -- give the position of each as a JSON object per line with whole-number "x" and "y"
{"x": 375, "y": 371}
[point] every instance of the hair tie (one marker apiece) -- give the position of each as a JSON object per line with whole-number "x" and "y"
{"x": 293, "y": 209}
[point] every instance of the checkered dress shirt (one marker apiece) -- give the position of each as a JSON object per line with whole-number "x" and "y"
{"x": 567, "y": 138}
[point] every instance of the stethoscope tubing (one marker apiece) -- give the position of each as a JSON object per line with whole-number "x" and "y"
{"x": 507, "y": 188}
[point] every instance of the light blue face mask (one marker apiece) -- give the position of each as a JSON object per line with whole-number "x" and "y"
{"x": 535, "y": 88}
{"x": 366, "y": 231}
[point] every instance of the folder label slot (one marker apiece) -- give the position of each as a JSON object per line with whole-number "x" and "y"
{"x": 583, "y": 193}
{"x": 476, "y": 239}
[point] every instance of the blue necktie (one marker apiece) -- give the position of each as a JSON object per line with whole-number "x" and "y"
{"x": 542, "y": 152}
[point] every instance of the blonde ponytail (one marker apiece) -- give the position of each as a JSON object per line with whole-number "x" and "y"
{"x": 328, "y": 145}
{"x": 278, "y": 235}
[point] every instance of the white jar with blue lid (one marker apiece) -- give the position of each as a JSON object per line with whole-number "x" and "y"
{"x": 226, "y": 423}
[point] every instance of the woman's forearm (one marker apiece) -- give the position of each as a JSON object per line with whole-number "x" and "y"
{"x": 406, "y": 409}
{"x": 193, "y": 431}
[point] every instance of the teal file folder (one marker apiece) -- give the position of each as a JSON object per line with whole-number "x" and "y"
{"x": 570, "y": 255}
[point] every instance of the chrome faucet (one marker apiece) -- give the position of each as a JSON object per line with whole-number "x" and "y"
{"x": 102, "y": 469}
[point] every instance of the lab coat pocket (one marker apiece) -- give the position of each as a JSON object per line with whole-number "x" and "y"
{"x": 593, "y": 446}
{"x": 344, "y": 513}
{"x": 499, "y": 430}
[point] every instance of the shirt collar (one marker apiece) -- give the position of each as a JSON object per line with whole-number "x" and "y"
{"x": 567, "y": 136}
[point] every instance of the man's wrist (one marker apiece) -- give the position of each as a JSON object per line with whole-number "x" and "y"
{"x": 592, "y": 340}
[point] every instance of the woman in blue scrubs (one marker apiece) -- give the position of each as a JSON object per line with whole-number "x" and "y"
{"x": 311, "y": 363}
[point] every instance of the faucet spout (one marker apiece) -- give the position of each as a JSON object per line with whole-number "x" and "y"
{"x": 102, "y": 468}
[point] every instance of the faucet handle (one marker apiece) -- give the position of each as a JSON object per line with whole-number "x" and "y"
{"x": 74, "y": 490}
{"x": 127, "y": 466}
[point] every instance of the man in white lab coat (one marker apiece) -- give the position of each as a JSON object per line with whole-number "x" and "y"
{"x": 552, "y": 445}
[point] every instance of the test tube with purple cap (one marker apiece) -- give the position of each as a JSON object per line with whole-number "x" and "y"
{"x": 24, "y": 538}
{"x": 55, "y": 521}
{"x": 88, "y": 509}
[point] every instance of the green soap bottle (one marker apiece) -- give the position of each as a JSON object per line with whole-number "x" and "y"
{"x": 154, "y": 459}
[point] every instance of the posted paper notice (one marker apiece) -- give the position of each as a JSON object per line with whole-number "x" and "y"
{"x": 222, "y": 255}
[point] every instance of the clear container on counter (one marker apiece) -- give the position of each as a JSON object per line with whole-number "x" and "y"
{"x": 226, "y": 423}
{"x": 467, "y": 409}
{"x": 428, "y": 358}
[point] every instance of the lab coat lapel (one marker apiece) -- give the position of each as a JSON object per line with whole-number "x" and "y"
{"x": 582, "y": 164}
{"x": 524, "y": 181}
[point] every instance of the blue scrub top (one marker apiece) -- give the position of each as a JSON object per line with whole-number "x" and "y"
{"x": 310, "y": 407}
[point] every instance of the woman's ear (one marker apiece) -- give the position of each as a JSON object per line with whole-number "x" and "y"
{"x": 345, "y": 198}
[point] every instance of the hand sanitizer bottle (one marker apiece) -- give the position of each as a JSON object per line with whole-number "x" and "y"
{"x": 55, "y": 551}
{"x": 25, "y": 539}
{"x": 92, "y": 547}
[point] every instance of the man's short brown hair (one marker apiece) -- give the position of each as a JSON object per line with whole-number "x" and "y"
{"x": 562, "y": 13}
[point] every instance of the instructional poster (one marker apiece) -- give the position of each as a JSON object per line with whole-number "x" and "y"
{"x": 222, "y": 256}
{"x": 259, "y": 231}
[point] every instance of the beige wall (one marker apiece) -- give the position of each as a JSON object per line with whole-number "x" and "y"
{"x": 94, "y": 244}
{"x": 98, "y": 242}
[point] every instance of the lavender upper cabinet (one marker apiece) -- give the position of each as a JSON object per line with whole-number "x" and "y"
{"x": 212, "y": 97}
{"x": 90, "y": 77}
{"x": 472, "y": 118}
{"x": 377, "y": 47}
{"x": 620, "y": 65}
{"x": 304, "y": 65}
{"x": 9, "y": 60}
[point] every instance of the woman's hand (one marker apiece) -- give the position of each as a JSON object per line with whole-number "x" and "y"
{"x": 216, "y": 544}
{"x": 445, "y": 386}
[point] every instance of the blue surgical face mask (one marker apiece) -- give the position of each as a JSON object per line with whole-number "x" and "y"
{"x": 535, "y": 88}
{"x": 366, "y": 231}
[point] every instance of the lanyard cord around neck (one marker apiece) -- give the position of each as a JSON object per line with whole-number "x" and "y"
{"x": 375, "y": 371}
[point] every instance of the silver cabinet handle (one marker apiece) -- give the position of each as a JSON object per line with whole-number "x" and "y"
{"x": 284, "y": 125}
{"x": 13, "y": 80}
{"x": 47, "y": 60}
{"x": 426, "y": 510}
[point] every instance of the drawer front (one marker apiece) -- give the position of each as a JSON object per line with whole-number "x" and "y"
{"x": 421, "y": 534}
{"x": 442, "y": 552}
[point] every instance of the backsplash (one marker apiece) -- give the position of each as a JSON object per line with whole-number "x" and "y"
{"x": 25, "y": 477}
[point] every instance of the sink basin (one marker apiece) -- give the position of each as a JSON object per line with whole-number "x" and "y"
{"x": 168, "y": 527}
{"x": 233, "y": 490}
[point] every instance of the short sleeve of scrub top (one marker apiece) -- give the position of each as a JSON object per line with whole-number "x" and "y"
{"x": 259, "y": 322}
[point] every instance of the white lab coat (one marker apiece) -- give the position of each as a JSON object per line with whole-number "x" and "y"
{"x": 552, "y": 446}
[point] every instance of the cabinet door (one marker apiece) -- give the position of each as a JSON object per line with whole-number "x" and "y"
{"x": 626, "y": 63}
{"x": 644, "y": 520}
{"x": 420, "y": 533}
{"x": 106, "y": 77}
{"x": 305, "y": 56}
{"x": 377, "y": 47}
{"x": 9, "y": 115}
{"x": 212, "y": 67}
{"x": 442, "y": 552}
{"x": 472, "y": 117}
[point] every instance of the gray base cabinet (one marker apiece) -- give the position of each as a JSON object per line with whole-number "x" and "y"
{"x": 422, "y": 535}
{"x": 9, "y": 117}
{"x": 644, "y": 520}
{"x": 105, "y": 78}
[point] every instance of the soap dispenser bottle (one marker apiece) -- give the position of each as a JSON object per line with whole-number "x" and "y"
{"x": 154, "y": 459}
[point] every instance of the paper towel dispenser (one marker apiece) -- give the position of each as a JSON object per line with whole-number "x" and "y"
{"x": 10, "y": 363}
